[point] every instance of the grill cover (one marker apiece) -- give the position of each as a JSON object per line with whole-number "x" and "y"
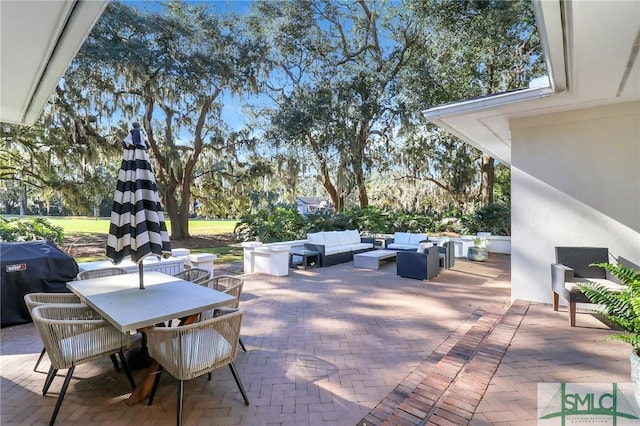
{"x": 31, "y": 267}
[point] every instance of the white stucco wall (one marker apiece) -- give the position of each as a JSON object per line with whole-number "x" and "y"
{"x": 575, "y": 182}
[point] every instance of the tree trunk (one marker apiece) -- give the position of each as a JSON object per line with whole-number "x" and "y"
{"x": 362, "y": 189}
{"x": 330, "y": 188}
{"x": 488, "y": 176}
{"x": 179, "y": 220}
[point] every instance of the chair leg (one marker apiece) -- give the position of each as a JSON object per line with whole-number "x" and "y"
{"x": 242, "y": 345}
{"x": 65, "y": 385}
{"x": 156, "y": 381}
{"x": 180, "y": 392}
{"x": 572, "y": 313}
{"x": 114, "y": 360}
{"x": 47, "y": 382}
{"x": 556, "y": 299}
{"x": 44, "y": 351}
{"x": 239, "y": 382}
{"x": 127, "y": 370}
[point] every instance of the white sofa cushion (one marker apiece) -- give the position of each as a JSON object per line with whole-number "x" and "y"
{"x": 401, "y": 237}
{"x": 396, "y": 246}
{"x": 416, "y": 238}
{"x": 360, "y": 246}
{"x": 329, "y": 250}
{"x": 331, "y": 239}
{"x": 316, "y": 238}
{"x": 344, "y": 238}
{"x": 355, "y": 236}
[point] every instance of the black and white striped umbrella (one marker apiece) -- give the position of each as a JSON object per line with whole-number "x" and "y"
{"x": 137, "y": 224}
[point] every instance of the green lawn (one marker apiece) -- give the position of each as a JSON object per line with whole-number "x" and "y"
{"x": 76, "y": 225}
{"x": 86, "y": 226}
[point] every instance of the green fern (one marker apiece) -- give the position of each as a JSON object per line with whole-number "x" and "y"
{"x": 622, "y": 308}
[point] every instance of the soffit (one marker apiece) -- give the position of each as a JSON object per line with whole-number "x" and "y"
{"x": 39, "y": 39}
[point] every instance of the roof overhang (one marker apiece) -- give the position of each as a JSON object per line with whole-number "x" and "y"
{"x": 591, "y": 51}
{"x": 39, "y": 39}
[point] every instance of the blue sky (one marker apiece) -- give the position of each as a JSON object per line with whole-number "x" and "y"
{"x": 232, "y": 113}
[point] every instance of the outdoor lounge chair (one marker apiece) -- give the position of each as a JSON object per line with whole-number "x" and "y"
{"x": 419, "y": 266}
{"x": 195, "y": 275}
{"x": 447, "y": 255}
{"x": 74, "y": 334}
{"x": 227, "y": 284}
{"x": 193, "y": 350}
{"x": 573, "y": 265}
{"x": 99, "y": 273}
{"x": 36, "y": 299}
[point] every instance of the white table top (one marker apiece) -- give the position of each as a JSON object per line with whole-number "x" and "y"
{"x": 380, "y": 254}
{"x": 120, "y": 301}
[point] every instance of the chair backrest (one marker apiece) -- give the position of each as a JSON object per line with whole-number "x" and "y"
{"x": 579, "y": 259}
{"x": 74, "y": 333}
{"x": 192, "y": 350}
{"x": 195, "y": 275}
{"x": 36, "y": 299}
{"x": 99, "y": 273}
{"x": 227, "y": 284}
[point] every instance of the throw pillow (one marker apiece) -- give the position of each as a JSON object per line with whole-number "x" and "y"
{"x": 422, "y": 247}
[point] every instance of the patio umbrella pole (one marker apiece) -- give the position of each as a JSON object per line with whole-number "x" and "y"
{"x": 140, "y": 274}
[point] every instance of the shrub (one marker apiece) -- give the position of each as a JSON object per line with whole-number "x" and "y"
{"x": 325, "y": 220}
{"x": 623, "y": 308}
{"x": 494, "y": 218}
{"x": 30, "y": 230}
{"x": 268, "y": 227}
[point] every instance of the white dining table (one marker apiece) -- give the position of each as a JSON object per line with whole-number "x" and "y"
{"x": 120, "y": 301}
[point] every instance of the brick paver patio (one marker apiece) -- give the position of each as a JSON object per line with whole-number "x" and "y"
{"x": 346, "y": 346}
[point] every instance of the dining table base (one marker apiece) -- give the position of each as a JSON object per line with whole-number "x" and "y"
{"x": 138, "y": 358}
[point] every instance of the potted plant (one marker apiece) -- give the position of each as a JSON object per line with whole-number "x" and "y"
{"x": 478, "y": 251}
{"x": 623, "y": 309}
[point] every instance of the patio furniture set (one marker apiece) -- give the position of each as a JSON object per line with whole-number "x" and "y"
{"x": 416, "y": 257}
{"x": 99, "y": 316}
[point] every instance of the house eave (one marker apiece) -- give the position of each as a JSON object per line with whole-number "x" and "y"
{"x": 488, "y": 102}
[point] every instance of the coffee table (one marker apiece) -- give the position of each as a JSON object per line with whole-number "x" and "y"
{"x": 371, "y": 259}
{"x": 308, "y": 256}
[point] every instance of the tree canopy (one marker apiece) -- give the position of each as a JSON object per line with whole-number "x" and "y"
{"x": 341, "y": 86}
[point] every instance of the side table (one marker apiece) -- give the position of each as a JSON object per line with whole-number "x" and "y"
{"x": 308, "y": 256}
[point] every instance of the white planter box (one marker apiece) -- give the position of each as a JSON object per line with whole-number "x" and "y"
{"x": 271, "y": 259}
{"x": 170, "y": 266}
{"x": 499, "y": 244}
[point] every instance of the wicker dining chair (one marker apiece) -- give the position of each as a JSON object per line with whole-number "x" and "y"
{"x": 36, "y": 299}
{"x": 190, "y": 351}
{"x": 99, "y": 273}
{"x": 230, "y": 285}
{"x": 74, "y": 334}
{"x": 195, "y": 275}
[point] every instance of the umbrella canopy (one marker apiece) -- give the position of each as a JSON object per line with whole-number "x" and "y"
{"x": 137, "y": 224}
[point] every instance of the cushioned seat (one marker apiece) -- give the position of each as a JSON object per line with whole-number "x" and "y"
{"x": 406, "y": 241}
{"x": 190, "y": 351}
{"x": 417, "y": 265}
{"x": 573, "y": 264}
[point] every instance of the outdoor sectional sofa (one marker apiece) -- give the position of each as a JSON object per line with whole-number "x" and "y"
{"x": 337, "y": 246}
